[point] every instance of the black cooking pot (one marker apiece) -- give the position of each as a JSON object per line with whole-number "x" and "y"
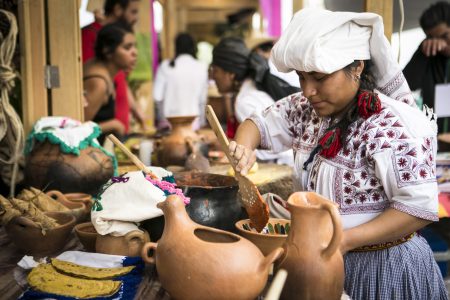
{"x": 214, "y": 199}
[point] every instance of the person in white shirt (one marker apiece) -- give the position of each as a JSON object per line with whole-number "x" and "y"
{"x": 244, "y": 74}
{"x": 181, "y": 84}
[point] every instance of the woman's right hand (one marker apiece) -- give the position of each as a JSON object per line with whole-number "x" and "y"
{"x": 432, "y": 46}
{"x": 244, "y": 157}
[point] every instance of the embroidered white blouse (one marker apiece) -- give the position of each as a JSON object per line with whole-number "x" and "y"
{"x": 387, "y": 161}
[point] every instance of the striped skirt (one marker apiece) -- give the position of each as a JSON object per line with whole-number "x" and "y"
{"x": 407, "y": 271}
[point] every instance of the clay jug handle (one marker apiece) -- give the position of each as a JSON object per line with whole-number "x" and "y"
{"x": 271, "y": 258}
{"x": 335, "y": 242}
{"x": 135, "y": 234}
{"x": 59, "y": 197}
{"x": 190, "y": 145}
{"x": 150, "y": 259}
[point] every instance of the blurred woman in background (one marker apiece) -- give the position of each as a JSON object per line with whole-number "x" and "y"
{"x": 115, "y": 50}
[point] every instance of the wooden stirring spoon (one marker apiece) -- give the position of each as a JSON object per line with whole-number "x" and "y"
{"x": 257, "y": 209}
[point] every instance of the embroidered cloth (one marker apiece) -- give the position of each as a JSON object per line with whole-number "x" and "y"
{"x": 388, "y": 159}
{"x": 130, "y": 281}
{"x": 130, "y": 198}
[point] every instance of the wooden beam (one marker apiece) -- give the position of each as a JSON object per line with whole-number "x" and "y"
{"x": 65, "y": 52}
{"x": 169, "y": 28}
{"x": 32, "y": 61}
{"x": 218, "y": 4}
{"x": 385, "y": 8}
{"x": 207, "y": 16}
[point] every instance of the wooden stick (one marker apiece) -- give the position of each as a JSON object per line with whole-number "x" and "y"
{"x": 217, "y": 128}
{"x": 128, "y": 153}
{"x": 277, "y": 285}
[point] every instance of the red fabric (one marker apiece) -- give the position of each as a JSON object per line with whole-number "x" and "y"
{"x": 232, "y": 126}
{"x": 88, "y": 38}
{"x": 122, "y": 105}
{"x": 122, "y": 111}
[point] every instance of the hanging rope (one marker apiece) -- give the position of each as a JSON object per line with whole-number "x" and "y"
{"x": 11, "y": 130}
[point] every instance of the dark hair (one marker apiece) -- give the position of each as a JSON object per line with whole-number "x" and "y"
{"x": 109, "y": 38}
{"x": 434, "y": 15}
{"x": 108, "y": 7}
{"x": 184, "y": 44}
{"x": 266, "y": 47}
{"x": 367, "y": 82}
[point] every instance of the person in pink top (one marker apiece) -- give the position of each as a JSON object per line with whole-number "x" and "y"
{"x": 115, "y": 10}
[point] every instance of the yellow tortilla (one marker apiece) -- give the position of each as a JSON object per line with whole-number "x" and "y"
{"x": 89, "y": 272}
{"x": 46, "y": 279}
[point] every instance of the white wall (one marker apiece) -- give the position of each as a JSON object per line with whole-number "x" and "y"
{"x": 410, "y": 40}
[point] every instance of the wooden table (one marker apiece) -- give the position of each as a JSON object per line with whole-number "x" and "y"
{"x": 270, "y": 178}
{"x": 150, "y": 287}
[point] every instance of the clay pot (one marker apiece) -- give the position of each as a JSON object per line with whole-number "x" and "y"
{"x": 77, "y": 209}
{"x": 214, "y": 199}
{"x": 87, "y": 235}
{"x": 48, "y": 168}
{"x": 199, "y": 262}
{"x": 172, "y": 149}
{"x": 128, "y": 245}
{"x": 28, "y": 237}
{"x": 266, "y": 242}
{"x": 311, "y": 253}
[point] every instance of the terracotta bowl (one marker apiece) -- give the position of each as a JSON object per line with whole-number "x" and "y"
{"x": 87, "y": 235}
{"x": 266, "y": 242}
{"x": 28, "y": 237}
{"x": 77, "y": 208}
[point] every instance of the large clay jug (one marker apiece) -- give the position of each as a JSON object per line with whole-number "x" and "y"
{"x": 129, "y": 245}
{"x": 199, "y": 262}
{"x": 311, "y": 253}
{"x": 173, "y": 150}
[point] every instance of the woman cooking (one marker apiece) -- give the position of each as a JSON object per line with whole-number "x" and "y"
{"x": 370, "y": 151}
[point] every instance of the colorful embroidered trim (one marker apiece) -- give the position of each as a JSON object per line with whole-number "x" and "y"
{"x": 168, "y": 188}
{"x": 383, "y": 246}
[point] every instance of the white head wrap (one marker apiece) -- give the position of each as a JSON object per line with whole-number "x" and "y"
{"x": 324, "y": 41}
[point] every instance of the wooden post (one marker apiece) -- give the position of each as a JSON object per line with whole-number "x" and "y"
{"x": 65, "y": 52}
{"x": 144, "y": 91}
{"x": 170, "y": 28}
{"x": 385, "y": 8}
{"x": 32, "y": 61}
{"x": 297, "y": 5}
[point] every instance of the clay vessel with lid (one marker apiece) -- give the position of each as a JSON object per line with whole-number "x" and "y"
{"x": 200, "y": 262}
{"x": 311, "y": 252}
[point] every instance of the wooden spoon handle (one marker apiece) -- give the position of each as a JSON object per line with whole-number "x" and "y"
{"x": 217, "y": 128}
{"x": 128, "y": 153}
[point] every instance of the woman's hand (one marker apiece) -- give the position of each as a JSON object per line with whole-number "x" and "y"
{"x": 432, "y": 46}
{"x": 244, "y": 157}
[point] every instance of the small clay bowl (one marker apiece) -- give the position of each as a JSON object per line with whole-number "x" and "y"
{"x": 266, "y": 242}
{"x": 87, "y": 235}
{"x": 28, "y": 237}
{"x": 81, "y": 197}
{"x": 77, "y": 208}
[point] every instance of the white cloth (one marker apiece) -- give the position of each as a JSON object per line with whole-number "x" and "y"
{"x": 66, "y": 130}
{"x": 183, "y": 88}
{"x": 387, "y": 161}
{"x": 311, "y": 44}
{"x": 290, "y": 77}
{"x": 250, "y": 101}
{"x": 123, "y": 204}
